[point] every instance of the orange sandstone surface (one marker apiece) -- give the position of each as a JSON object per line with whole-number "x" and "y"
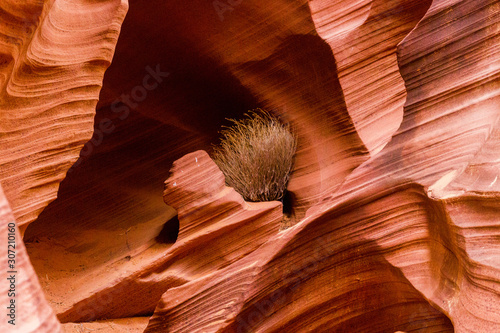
{"x": 108, "y": 110}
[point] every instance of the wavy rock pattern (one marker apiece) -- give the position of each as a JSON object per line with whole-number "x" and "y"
{"x": 132, "y": 286}
{"x": 364, "y": 36}
{"x": 53, "y": 55}
{"x": 395, "y": 187}
{"x": 31, "y": 313}
{"x": 446, "y": 143}
{"x": 300, "y": 78}
{"x": 320, "y": 276}
{"x": 428, "y": 238}
{"x": 268, "y": 56}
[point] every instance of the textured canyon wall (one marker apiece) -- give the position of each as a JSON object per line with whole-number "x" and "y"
{"x": 394, "y": 193}
{"x": 25, "y": 308}
{"x": 53, "y": 55}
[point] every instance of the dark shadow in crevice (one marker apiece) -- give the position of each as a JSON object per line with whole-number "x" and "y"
{"x": 169, "y": 232}
{"x": 288, "y": 201}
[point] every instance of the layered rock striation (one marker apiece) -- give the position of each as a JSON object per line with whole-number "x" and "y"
{"x": 53, "y": 55}
{"x": 395, "y": 189}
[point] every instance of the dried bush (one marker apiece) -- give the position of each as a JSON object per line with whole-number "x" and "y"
{"x": 256, "y": 156}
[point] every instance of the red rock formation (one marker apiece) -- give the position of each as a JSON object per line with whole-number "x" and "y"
{"x": 333, "y": 272}
{"x": 269, "y": 56}
{"x": 395, "y": 186}
{"x": 216, "y": 228}
{"x": 53, "y": 55}
{"x": 364, "y": 36}
{"x": 430, "y": 241}
{"x": 24, "y": 306}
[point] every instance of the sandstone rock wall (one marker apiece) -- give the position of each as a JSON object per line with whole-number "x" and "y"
{"x": 53, "y": 55}
{"x": 394, "y": 192}
{"x": 25, "y": 308}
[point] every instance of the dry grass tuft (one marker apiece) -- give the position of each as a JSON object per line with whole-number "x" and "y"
{"x": 256, "y": 156}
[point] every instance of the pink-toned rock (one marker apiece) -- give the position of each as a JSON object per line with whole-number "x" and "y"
{"x": 404, "y": 200}
{"x": 53, "y": 55}
{"x": 448, "y": 143}
{"x": 257, "y": 55}
{"x": 216, "y": 228}
{"x": 333, "y": 272}
{"x": 24, "y": 307}
{"x": 364, "y": 36}
{"x": 395, "y": 104}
